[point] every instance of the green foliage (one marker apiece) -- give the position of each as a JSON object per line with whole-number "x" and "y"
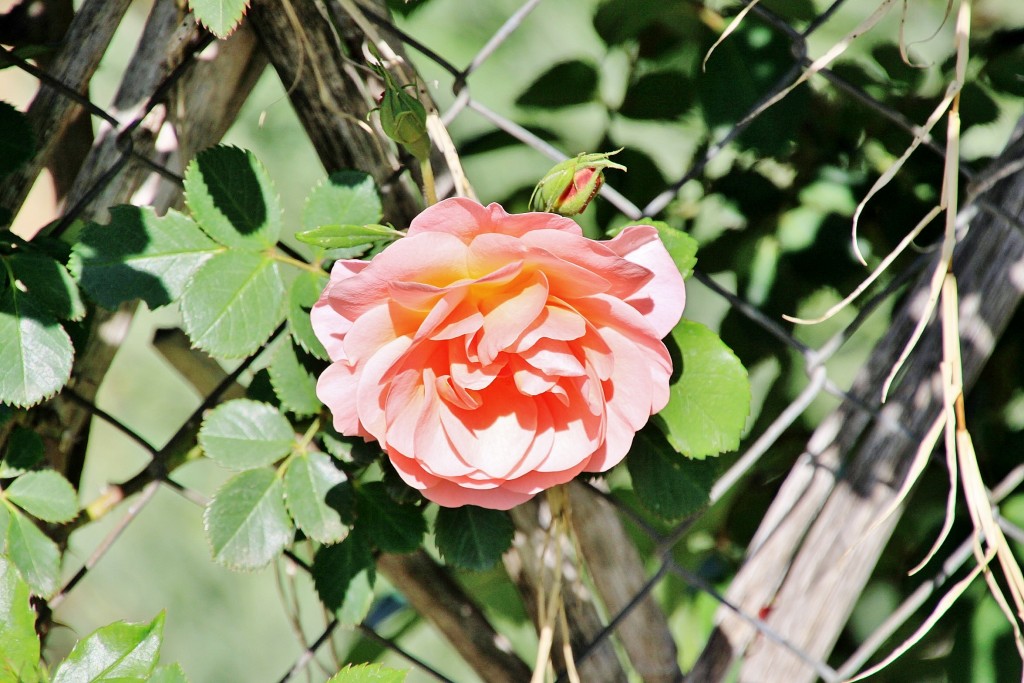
{"x": 244, "y": 434}
{"x": 19, "y": 645}
{"x": 348, "y": 236}
{"x": 118, "y": 653}
{"x": 303, "y": 293}
{"x": 344, "y": 575}
{"x": 394, "y": 527}
{"x": 668, "y": 485}
{"x": 33, "y": 553}
{"x": 293, "y": 381}
{"x": 367, "y": 673}
{"x": 710, "y": 401}
{"x": 344, "y": 198}
{"x": 17, "y": 141}
{"x": 246, "y": 523}
{"x": 319, "y": 497}
{"x": 139, "y": 255}
{"x": 169, "y": 674}
{"x": 231, "y": 195}
{"x": 220, "y": 16}
{"x": 36, "y": 353}
{"x": 233, "y": 303}
{"x": 45, "y": 495}
{"x": 472, "y": 537}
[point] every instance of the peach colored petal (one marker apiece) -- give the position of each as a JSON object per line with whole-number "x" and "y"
{"x": 336, "y": 388}
{"x": 497, "y": 355}
{"x": 661, "y": 300}
{"x": 508, "y": 319}
{"x": 466, "y": 218}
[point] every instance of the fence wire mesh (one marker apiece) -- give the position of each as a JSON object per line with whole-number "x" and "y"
{"x": 140, "y": 490}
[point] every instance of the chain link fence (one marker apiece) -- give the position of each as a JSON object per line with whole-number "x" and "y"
{"x": 129, "y": 153}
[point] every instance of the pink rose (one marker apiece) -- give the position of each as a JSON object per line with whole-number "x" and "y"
{"x": 494, "y": 355}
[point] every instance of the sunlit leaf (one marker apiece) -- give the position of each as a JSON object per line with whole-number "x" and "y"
{"x": 318, "y": 497}
{"x": 244, "y": 434}
{"x": 139, "y": 255}
{"x": 344, "y": 198}
{"x": 46, "y": 495}
{"x": 246, "y": 522}
{"x": 347, "y": 236}
{"x": 33, "y": 553}
{"x": 118, "y": 653}
{"x": 368, "y": 673}
{"x": 710, "y": 401}
{"x": 233, "y": 303}
{"x": 19, "y": 644}
{"x": 293, "y": 382}
{"x": 169, "y": 674}
{"x": 220, "y": 16}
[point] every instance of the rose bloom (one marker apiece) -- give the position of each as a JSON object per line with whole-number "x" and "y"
{"x": 494, "y": 356}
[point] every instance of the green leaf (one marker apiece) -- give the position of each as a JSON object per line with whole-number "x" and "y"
{"x": 667, "y": 484}
{"x": 293, "y": 383}
{"x": 348, "y": 236}
{"x": 318, "y": 497}
{"x": 17, "y": 141}
{"x": 233, "y": 303}
{"x": 49, "y": 284}
{"x": 563, "y": 85}
{"x": 368, "y": 673}
{"x": 394, "y": 528}
{"x": 246, "y": 522}
{"x": 24, "y": 451}
{"x": 304, "y": 292}
{"x": 232, "y": 198}
{"x": 220, "y": 16}
{"x": 120, "y": 652}
{"x": 33, "y": 553}
{"x": 472, "y": 537}
{"x": 19, "y": 644}
{"x": 244, "y": 434}
{"x": 343, "y": 198}
{"x": 169, "y": 674}
{"x": 343, "y": 575}
{"x": 45, "y": 495}
{"x": 709, "y": 402}
{"x": 35, "y": 352}
{"x": 139, "y": 255}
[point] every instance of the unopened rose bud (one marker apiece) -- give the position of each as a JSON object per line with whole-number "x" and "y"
{"x": 403, "y": 117}
{"x": 568, "y": 187}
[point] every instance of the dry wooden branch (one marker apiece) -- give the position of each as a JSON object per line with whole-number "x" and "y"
{"x": 817, "y": 544}
{"x": 51, "y": 111}
{"x": 330, "y": 96}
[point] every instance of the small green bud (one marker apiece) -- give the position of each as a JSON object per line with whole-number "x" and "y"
{"x": 568, "y": 187}
{"x": 403, "y": 117}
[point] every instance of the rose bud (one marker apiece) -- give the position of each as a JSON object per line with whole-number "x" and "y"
{"x": 403, "y": 117}
{"x": 568, "y": 187}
